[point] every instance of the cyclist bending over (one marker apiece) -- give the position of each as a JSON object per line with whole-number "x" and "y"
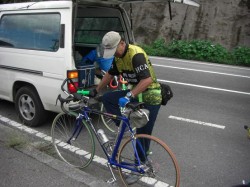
{"x": 134, "y": 65}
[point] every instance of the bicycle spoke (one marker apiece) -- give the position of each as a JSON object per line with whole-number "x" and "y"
{"x": 158, "y": 163}
{"x": 79, "y": 152}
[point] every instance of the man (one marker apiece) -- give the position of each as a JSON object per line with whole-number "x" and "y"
{"x": 102, "y": 63}
{"x": 134, "y": 65}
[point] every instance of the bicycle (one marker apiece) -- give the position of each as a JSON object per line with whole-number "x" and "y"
{"x": 156, "y": 166}
{"x": 116, "y": 83}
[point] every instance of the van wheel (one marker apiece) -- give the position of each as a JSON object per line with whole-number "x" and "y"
{"x": 29, "y": 107}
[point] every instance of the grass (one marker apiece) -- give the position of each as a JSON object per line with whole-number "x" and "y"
{"x": 46, "y": 148}
{"x": 16, "y": 140}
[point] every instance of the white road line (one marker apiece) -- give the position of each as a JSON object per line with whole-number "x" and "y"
{"x": 212, "y": 72}
{"x": 48, "y": 138}
{"x": 206, "y": 87}
{"x": 203, "y": 63}
{"x": 197, "y": 122}
{"x": 73, "y": 149}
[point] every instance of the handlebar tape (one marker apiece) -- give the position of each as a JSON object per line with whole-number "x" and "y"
{"x": 83, "y": 92}
{"x": 62, "y": 100}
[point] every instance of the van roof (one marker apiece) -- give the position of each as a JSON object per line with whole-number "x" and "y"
{"x": 36, "y": 5}
{"x": 66, "y": 3}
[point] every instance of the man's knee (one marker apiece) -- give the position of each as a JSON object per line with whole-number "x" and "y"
{"x": 114, "y": 96}
{"x": 105, "y": 97}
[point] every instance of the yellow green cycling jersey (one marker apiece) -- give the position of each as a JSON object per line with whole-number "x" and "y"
{"x": 134, "y": 66}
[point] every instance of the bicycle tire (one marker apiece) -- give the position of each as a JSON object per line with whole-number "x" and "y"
{"x": 108, "y": 122}
{"x": 80, "y": 151}
{"x": 160, "y": 163}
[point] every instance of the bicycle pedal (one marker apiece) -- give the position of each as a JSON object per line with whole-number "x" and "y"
{"x": 145, "y": 168}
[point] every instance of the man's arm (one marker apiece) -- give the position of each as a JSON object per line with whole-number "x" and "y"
{"x": 90, "y": 57}
{"x": 142, "y": 72}
{"x": 141, "y": 86}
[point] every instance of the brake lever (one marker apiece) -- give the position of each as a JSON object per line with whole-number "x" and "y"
{"x": 58, "y": 98}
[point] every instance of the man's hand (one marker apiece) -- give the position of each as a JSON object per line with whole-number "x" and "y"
{"x": 92, "y": 92}
{"x": 123, "y": 101}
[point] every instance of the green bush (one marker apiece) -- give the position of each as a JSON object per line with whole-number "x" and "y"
{"x": 157, "y": 48}
{"x": 199, "y": 50}
{"x": 241, "y": 56}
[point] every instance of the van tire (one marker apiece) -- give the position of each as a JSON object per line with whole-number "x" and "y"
{"x": 29, "y": 107}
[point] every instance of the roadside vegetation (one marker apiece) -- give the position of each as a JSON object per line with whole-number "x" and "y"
{"x": 199, "y": 50}
{"x": 16, "y": 140}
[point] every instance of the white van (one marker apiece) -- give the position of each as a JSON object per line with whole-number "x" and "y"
{"x": 41, "y": 43}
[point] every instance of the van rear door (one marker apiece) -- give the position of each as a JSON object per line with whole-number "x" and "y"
{"x": 93, "y": 20}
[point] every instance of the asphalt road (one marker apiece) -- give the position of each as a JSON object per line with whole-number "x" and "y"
{"x": 211, "y": 105}
{"x": 202, "y": 124}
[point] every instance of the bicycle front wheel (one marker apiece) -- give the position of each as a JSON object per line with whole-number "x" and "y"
{"x": 74, "y": 143}
{"x": 156, "y": 158}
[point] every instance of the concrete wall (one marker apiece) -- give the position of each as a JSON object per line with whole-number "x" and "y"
{"x": 226, "y": 22}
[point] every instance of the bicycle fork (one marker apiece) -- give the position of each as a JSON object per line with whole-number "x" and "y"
{"x": 77, "y": 130}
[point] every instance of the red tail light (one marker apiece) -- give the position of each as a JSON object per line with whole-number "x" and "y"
{"x": 73, "y": 75}
{"x": 72, "y": 88}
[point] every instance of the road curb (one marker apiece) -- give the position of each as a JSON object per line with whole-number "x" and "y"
{"x": 30, "y": 150}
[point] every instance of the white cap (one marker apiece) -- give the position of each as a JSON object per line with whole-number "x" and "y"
{"x": 110, "y": 42}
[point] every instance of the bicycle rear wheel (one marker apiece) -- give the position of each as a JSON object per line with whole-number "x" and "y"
{"x": 108, "y": 122}
{"x": 159, "y": 163}
{"x": 78, "y": 151}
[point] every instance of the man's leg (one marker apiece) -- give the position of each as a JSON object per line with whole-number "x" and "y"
{"x": 110, "y": 101}
{"x": 147, "y": 129}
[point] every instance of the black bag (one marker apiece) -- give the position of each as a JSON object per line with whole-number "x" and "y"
{"x": 166, "y": 93}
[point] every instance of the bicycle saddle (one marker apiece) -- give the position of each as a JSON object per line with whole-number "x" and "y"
{"x": 135, "y": 105}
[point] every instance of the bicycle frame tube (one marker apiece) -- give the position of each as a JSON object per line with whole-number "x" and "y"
{"x": 85, "y": 112}
{"x": 125, "y": 165}
{"x": 125, "y": 124}
{"x": 118, "y": 141}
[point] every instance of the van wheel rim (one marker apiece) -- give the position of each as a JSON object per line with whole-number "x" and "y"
{"x": 27, "y": 107}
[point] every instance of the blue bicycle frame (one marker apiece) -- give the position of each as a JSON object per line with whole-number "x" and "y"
{"x": 84, "y": 115}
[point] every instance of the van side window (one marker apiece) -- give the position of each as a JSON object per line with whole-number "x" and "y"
{"x": 30, "y": 31}
{"x": 91, "y": 30}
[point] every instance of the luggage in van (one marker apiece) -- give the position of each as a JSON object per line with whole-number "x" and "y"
{"x": 86, "y": 76}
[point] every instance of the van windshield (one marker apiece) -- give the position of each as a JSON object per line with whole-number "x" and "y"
{"x": 91, "y": 30}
